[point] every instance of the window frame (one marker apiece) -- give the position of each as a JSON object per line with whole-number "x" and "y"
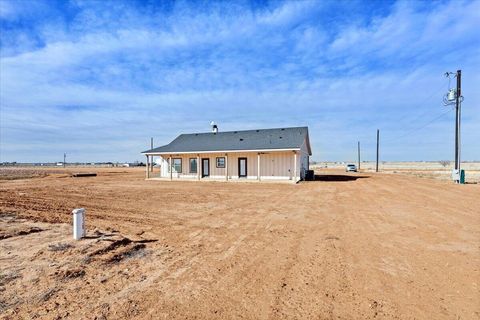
{"x": 190, "y": 165}
{"x": 216, "y": 162}
{"x": 181, "y": 164}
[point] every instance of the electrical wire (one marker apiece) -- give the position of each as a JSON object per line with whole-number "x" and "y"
{"x": 421, "y": 127}
{"x": 418, "y": 104}
{"x": 407, "y": 133}
{"x": 421, "y": 103}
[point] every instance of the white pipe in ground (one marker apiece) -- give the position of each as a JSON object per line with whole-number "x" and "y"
{"x": 78, "y": 223}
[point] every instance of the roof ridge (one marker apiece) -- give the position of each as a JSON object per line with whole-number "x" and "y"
{"x": 249, "y": 130}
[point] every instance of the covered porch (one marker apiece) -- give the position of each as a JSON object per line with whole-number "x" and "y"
{"x": 224, "y": 166}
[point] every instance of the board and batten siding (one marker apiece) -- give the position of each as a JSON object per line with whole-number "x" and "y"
{"x": 277, "y": 165}
{"x": 273, "y": 165}
{"x": 303, "y": 160}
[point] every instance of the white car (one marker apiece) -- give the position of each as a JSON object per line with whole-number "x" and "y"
{"x": 351, "y": 168}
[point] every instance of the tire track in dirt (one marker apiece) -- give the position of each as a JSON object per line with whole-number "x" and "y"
{"x": 376, "y": 247}
{"x": 318, "y": 269}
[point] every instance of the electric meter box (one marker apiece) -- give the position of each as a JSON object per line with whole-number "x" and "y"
{"x": 456, "y": 175}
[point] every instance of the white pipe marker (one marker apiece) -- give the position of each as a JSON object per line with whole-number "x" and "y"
{"x": 78, "y": 223}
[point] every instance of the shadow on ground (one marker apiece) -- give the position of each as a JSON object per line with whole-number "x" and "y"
{"x": 337, "y": 177}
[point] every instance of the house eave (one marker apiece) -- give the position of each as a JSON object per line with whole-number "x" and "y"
{"x": 219, "y": 151}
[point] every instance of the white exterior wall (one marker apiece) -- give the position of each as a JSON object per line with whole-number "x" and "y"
{"x": 303, "y": 164}
{"x": 185, "y": 173}
{"x": 277, "y": 165}
{"x": 273, "y": 165}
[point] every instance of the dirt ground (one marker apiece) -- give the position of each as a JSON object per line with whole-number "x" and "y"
{"x": 441, "y": 170}
{"x": 347, "y": 246}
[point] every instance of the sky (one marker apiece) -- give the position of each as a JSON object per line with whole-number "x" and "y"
{"x": 97, "y": 79}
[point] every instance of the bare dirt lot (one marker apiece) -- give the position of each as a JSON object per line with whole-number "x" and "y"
{"x": 441, "y": 170}
{"x": 356, "y": 246}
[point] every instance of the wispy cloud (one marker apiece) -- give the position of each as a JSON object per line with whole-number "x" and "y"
{"x": 102, "y": 77}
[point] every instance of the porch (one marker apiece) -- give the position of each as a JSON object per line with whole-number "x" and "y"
{"x": 265, "y": 166}
{"x": 223, "y": 180}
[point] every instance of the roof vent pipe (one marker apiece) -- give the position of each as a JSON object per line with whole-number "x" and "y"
{"x": 214, "y": 127}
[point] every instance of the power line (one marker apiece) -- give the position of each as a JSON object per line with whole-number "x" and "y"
{"x": 421, "y": 127}
{"x": 417, "y": 105}
{"x": 421, "y": 103}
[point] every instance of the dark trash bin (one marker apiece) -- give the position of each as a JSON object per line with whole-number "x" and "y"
{"x": 462, "y": 176}
{"x": 309, "y": 176}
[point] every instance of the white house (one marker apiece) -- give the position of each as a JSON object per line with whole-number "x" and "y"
{"x": 263, "y": 154}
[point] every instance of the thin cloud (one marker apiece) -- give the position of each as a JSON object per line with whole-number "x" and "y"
{"x": 112, "y": 74}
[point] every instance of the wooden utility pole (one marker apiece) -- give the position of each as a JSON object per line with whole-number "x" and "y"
{"x": 457, "y": 120}
{"x": 358, "y": 148}
{"x": 378, "y": 143}
{"x": 64, "y": 159}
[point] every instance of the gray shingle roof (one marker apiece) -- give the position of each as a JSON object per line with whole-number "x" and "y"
{"x": 261, "y": 139}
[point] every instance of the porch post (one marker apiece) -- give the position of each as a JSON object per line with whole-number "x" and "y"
{"x": 258, "y": 166}
{"x": 199, "y": 167}
{"x": 295, "y": 164}
{"x": 146, "y": 168}
{"x": 171, "y": 167}
{"x": 226, "y": 166}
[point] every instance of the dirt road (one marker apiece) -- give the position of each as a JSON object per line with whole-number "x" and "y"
{"x": 356, "y": 246}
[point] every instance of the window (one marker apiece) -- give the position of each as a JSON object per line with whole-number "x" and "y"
{"x": 177, "y": 165}
{"x": 193, "y": 165}
{"x": 220, "y": 162}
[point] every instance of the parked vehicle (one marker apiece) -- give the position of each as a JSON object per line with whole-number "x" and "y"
{"x": 351, "y": 168}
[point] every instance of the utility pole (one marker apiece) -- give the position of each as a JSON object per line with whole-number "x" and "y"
{"x": 378, "y": 143}
{"x": 64, "y": 159}
{"x": 457, "y": 120}
{"x": 358, "y": 147}
{"x": 455, "y": 97}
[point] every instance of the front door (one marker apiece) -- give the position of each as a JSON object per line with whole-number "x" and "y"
{"x": 242, "y": 167}
{"x": 205, "y": 167}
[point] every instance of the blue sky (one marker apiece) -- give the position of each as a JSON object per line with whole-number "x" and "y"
{"x": 97, "y": 79}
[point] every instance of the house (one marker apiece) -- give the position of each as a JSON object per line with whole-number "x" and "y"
{"x": 263, "y": 154}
